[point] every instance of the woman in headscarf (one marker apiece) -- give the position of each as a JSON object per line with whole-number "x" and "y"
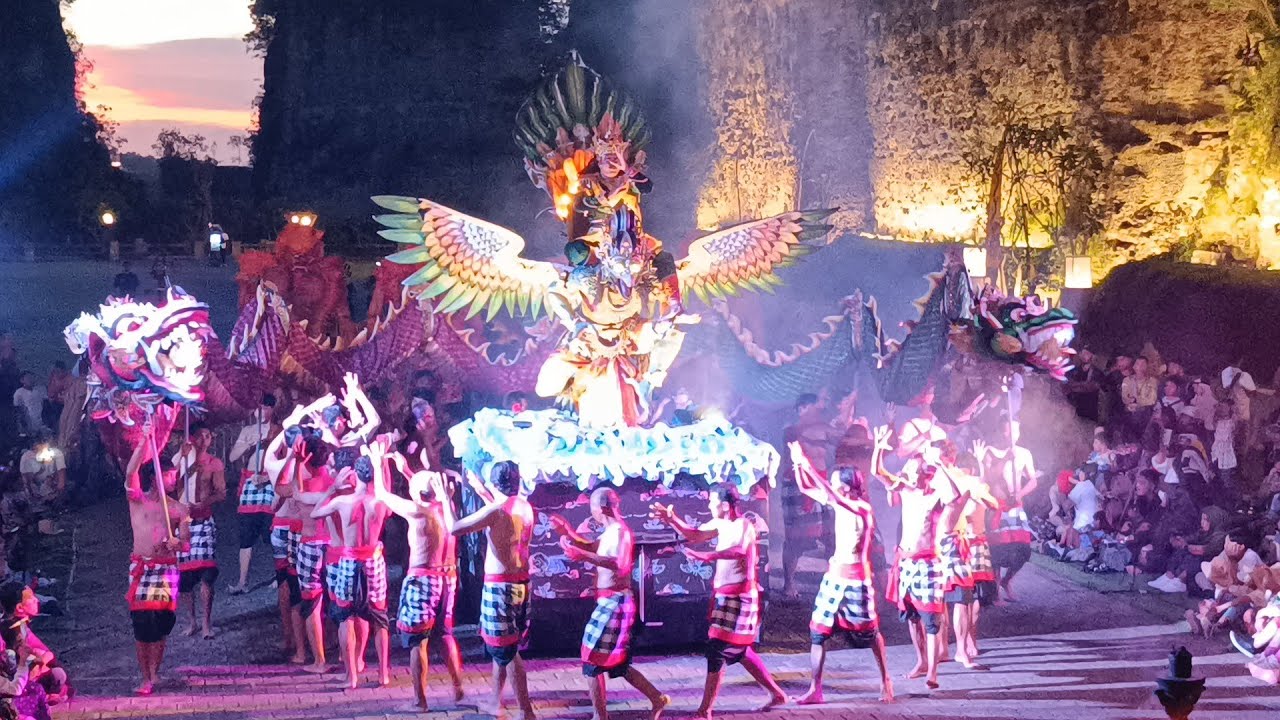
{"x": 1189, "y": 550}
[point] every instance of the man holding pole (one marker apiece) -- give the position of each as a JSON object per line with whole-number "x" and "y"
{"x": 153, "y": 566}
{"x": 257, "y": 497}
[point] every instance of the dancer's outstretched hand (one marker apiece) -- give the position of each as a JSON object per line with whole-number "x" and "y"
{"x": 662, "y": 513}
{"x": 882, "y": 435}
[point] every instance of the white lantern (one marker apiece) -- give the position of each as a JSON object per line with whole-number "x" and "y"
{"x": 1079, "y": 272}
{"x": 975, "y": 261}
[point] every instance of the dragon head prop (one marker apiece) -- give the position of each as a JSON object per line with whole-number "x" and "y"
{"x": 1025, "y": 331}
{"x": 148, "y": 350}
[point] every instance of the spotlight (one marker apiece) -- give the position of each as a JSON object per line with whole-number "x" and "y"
{"x": 107, "y": 218}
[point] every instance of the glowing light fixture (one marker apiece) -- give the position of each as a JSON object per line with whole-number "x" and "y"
{"x": 107, "y": 218}
{"x": 975, "y": 261}
{"x": 305, "y": 219}
{"x": 116, "y": 164}
{"x": 939, "y": 220}
{"x": 1079, "y": 272}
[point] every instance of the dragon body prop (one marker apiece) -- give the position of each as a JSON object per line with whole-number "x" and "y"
{"x": 618, "y": 301}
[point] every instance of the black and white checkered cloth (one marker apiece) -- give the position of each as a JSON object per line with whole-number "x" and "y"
{"x": 359, "y": 582}
{"x": 845, "y": 604}
{"x": 980, "y": 559}
{"x": 253, "y": 497}
{"x": 956, "y": 572}
{"x": 735, "y": 619}
{"x": 284, "y": 548}
{"x": 606, "y": 641}
{"x": 424, "y": 600}
{"x": 920, "y": 580}
{"x": 311, "y": 568}
{"x": 504, "y": 613}
{"x": 204, "y": 547}
{"x": 153, "y": 584}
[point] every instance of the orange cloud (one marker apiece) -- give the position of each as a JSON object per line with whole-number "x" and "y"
{"x": 128, "y": 106}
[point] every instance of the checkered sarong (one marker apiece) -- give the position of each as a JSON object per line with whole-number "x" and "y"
{"x": 980, "y": 559}
{"x": 504, "y": 611}
{"x": 845, "y": 603}
{"x": 918, "y": 580}
{"x": 311, "y": 568}
{"x": 606, "y": 641}
{"x": 255, "y": 499}
{"x": 358, "y": 578}
{"x": 153, "y": 583}
{"x": 425, "y": 596}
{"x": 1014, "y": 527}
{"x": 204, "y": 546}
{"x": 735, "y": 618}
{"x": 956, "y": 572}
{"x": 284, "y": 546}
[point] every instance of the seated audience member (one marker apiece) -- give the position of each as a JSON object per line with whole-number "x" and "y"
{"x": 44, "y": 478}
{"x": 1228, "y": 576}
{"x": 20, "y": 606}
{"x": 1188, "y": 550}
{"x": 29, "y": 699}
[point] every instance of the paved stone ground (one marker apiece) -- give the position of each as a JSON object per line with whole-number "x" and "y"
{"x": 1064, "y": 651}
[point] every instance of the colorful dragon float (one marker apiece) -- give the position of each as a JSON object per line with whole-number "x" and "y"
{"x": 617, "y": 301}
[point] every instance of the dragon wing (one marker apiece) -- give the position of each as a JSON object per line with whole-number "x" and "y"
{"x": 746, "y": 255}
{"x": 466, "y": 260}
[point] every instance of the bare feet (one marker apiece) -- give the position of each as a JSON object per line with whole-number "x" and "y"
{"x": 360, "y": 665}
{"x": 418, "y": 707}
{"x": 384, "y": 681}
{"x": 1193, "y": 620}
{"x": 298, "y": 659}
{"x": 191, "y": 630}
{"x": 917, "y": 672}
{"x": 932, "y": 683}
{"x": 317, "y": 669}
{"x": 774, "y": 701}
{"x": 886, "y": 691}
{"x": 701, "y": 714}
{"x": 813, "y": 697}
{"x": 237, "y": 589}
{"x": 659, "y": 705}
{"x": 457, "y": 693}
{"x": 145, "y": 689}
{"x": 970, "y": 664}
{"x": 208, "y": 634}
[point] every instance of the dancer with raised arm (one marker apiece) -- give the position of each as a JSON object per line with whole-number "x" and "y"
{"x": 430, "y": 586}
{"x": 915, "y": 582}
{"x": 352, "y": 421}
{"x": 257, "y": 497}
{"x": 161, "y": 528}
{"x": 507, "y": 522}
{"x": 1013, "y": 477}
{"x": 735, "y": 609}
{"x": 606, "y": 641}
{"x": 202, "y": 484}
{"x": 305, "y": 482}
{"x": 846, "y": 600}
{"x": 357, "y": 574}
{"x": 956, "y": 488}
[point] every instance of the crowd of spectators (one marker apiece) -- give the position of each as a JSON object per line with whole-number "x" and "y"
{"x": 1181, "y": 489}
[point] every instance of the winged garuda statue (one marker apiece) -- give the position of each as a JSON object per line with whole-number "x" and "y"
{"x": 619, "y": 296}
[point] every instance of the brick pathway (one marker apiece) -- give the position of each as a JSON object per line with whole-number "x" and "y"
{"x": 1043, "y": 663}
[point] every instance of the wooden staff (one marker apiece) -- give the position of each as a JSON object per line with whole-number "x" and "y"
{"x": 155, "y": 460}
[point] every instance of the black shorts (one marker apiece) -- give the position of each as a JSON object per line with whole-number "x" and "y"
{"x": 286, "y": 579}
{"x": 720, "y": 653}
{"x": 152, "y": 626}
{"x": 189, "y": 579}
{"x": 932, "y": 621}
{"x": 614, "y": 672}
{"x": 986, "y": 592}
{"x": 958, "y": 595}
{"x": 502, "y": 656}
{"x": 376, "y": 618}
{"x": 856, "y": 639}
{"x": 254, "y": 528}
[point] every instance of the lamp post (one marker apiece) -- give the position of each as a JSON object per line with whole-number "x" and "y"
{"x": 108, "y": 222}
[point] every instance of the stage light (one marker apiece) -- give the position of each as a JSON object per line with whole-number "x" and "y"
{"x": 1079, "y": 272}
{"x": 116, "y": 164}
{"x": 107, "y": 218}
{"x": 294, "y": 219}
{"x": 303, "y": 218}
{"x": 975, "y": 261}
{"x": 306, "y": 221}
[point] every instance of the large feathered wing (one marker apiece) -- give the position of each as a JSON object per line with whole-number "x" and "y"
{"x": 746, "y": 255}
{"x": 466, "y": 262}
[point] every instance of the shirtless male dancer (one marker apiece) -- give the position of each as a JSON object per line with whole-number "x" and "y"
{"x": 915, "y": 583}
{"x": 1013, "y": 476}
{"x": 430, "y": 585}
{"x": 305, "y": 482}
{"x": 735, "y": 608}
{"x": 606, "y": 641}
{"x": 202, "y": 484}
{"x": 357, "y": 573}
{"x": 956, "y": 488}
{"x": 507, "y": 521}
{"x": 256, "y": 497}
{"x": 846, "y": 601}
{"x": 286, "y": 525}
{"x": 973, "y": 530}
{"x": 153, "y": 565}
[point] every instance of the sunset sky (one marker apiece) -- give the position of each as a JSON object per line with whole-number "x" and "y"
{"x": 170, "y": 63}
